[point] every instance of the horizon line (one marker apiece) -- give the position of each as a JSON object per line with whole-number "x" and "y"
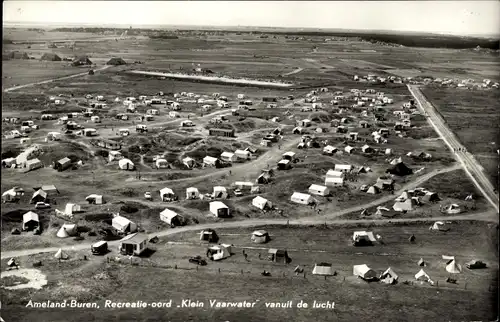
{"x": 152, "y": 26}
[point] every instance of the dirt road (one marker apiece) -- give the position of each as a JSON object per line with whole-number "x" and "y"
{"x": 470, "y": 165}
{"x": 486, "y": 216}
{"x": 14, "y": 88}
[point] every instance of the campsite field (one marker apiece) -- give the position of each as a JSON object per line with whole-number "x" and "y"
{"x": 165, "y": 273}
{"x": 96, "y": 280}
{"x": 474, "y": 118}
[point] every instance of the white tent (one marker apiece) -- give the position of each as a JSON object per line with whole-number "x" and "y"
{"x": 167, "y": 194}
{"x": 93, "y": 198}
{"x": 397, "y": 161}
{"x": 364, "y": 272}
{"x": 219, "y": 252}
{"x": 123, "y": 224}
{"x": 329, "y": 149}
{"x": 67, "y": 230}
{"x": 242, "y": 154}
{"x": 323, "y": 269}
{"x": 211, "y": 161}
{"x": 168, "y": 215}
{"x": 422, "y": 276}
{"x": 315, "y": 189}
{"x": 219, "y": 209}
{"x": 261, "y": 203}
{"x": 29, "y": 218}
{"x": 301, "y": 198}
{"x": 453, "y": 267}
{"x": 358, "y": 236}
{"x": 34, "y": 164}
{"x": 114, "y": 155}
{"x": 348, "y": 149}
{"x": 373, "y": 190}
{"x": 126, "y": 164}
{"x": 71, "y": 208}
{"x": 289, "y": 156}
{"x": 389, "y": 276}
{"x": 188, "y": 162}
{"x": 61, "y": 255}
{"x": 437, "y": 225}
{"x": 220, "y": 192}
{"x": 192, "y": 193}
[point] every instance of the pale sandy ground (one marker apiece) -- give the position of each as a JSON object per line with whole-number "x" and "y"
{"x": 37, "y": 279}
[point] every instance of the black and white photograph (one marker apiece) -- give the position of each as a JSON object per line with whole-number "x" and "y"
{"x": 240, "y": 161}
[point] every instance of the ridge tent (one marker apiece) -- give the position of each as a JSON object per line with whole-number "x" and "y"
{"x": 219, "y": 209}
{"x": 39, "y": 196}
{"x": 422, "y": 276}
{"x": 302, "y": 198}
{"x": 315, "y": 189}
{"x": 279, "y": 256}
{"x": 30, "y": 221}
{"x": 167, "y": 194}
{"x": 192, "y": 193}
{"x": 220, "y": 192}
{"x": 364, "y": 272}
{"x": 261, "y": 203}
{"x": 453, "y": 267}
{"x": 218, "y": 252}
{"x": 115, "y": 61}
{"x": 50, "y": 57}
{"x": 400, "y": 169}
{"x": 123, "y": 224}
{"x": 389, "y": 276}
{"x": 171, "y": 217}
{"x": 361, "y": 238}
{"x": 61, "y": 255}
{"x": 209, "y": 235}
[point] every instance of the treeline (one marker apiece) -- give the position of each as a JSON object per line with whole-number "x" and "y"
{"x": 163, "y": 36}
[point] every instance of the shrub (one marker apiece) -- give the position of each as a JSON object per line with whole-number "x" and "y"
{"x": 128, "y": 208}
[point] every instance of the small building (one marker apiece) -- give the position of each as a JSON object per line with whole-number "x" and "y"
{"x": 260, "y": 237}
{"x": 62, "y": 164}
{"x": 318, "y": 190}
{"x": 219, "y": 209}
{"x": 134, "y": 244}
{"x": 242, "y": 154}
{"x": 279, "y": 256}
{"x": 192, "y": 193}
{"x": 123, "y": 224}
{"x": 302, "y": 198}
{"x": 228, "y": 157}
{"x": 30, "y": 221}
{"x": 167, "y": 194}
{"x": 221, "y": 132}
{"x": 171, "y": 217}
{"x": 210, "y": 161}
{"x": 261, "y": 203}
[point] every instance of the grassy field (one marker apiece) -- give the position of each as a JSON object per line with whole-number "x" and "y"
{"x": 473, "y": 117}
{"x": 95, "y": 280}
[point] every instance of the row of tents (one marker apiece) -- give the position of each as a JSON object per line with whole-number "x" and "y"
{"x": 76, "y": 61}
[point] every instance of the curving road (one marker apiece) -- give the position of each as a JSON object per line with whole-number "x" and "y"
{"x": 10, "y": 89}
{"x": 470, "y": 165}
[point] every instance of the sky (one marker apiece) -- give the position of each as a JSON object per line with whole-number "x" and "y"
{"x": 447, "y": 17}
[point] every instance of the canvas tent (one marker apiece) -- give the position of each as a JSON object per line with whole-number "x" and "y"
{"x": 192, "y": 193}
{"x": 126, "y": 164}
{"x": 422, "y": 276}
{"x": 400, "y": 169}
{"x": 279, "y": 256}
{"x": 171, "y": 217}
{"x": 123, "y": 224}
{"x": 81, "y": 61}
{"x": 421, "y": 262}
{"x": 260, "y": 237}
{"x": 243, "y": 154}
{"x": 50, "y": 57}
{"x": 210, "y": 161}
{"x": 334, "y": 174}
{"x": 302, "y": 198}
{"x": 18, "y": 55}
{"x": 334, "y": 181}
{"x": 219, "y": 209}
{"x": 315, "y": 189}
{"x": 361, "y": 238}
{"x": 61, "y": 255}
{"x": 403, "y": 206}
{"x": 62, "y": 164}
{"x": 71, "y": 208}
{"x": 188, "y": 162}
{"x": 33, "y": 164}
{"x": 228, "y": 157}
{"x": 209, "y": 235}
{"x": 364, "y": 272}
{"x": 67, "y": 230}
{"x": 261, "y": 203}
{"x": 220, "y": 192}
{"x": 329, "y": 149}
{"x": 95, "y": 199}
{"x": 437, "y": 225}
{"x": 167, "y": 194}
{"x": 218, "y": 252}
{"x": 373, "y": 190}
{"x": 115, "y": 61}
{"x": 453, "y": 267}
{"x": 324, "y": 269}
{"x": 389, "y": 276}
{"x": 39, "y": 196}
{"x": 30, "y": 221}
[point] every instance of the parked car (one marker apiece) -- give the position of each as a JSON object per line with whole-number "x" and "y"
{"x": 475, "y": 264}
{"x": 198, "y": 261}
{"x": 238, "y": 193}
{"x": 148, "y": 196}
{"x": 42, "y": 205}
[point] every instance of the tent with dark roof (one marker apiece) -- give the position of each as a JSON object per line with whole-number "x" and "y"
{"x": 116, "y": 61}
{"x": 400, "y": 169}
{"x": 81, "y": 61}
{"x": 50, "y": 57}
{"x": 18, "y": 55}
